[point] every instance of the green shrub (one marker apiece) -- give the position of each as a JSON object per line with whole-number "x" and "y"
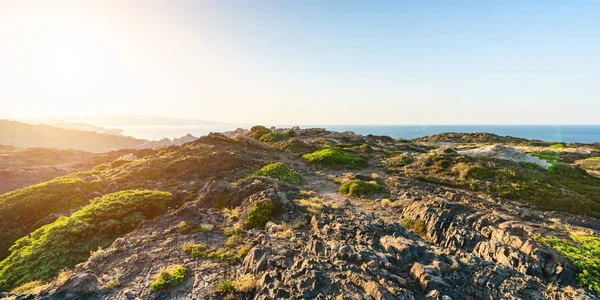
{"x": 169, "y": 279}
{"x": 418, "y": 226}
{"x": 584, "y": 252}
{"x": 225, "y": 287}
{"x": 356, "y": 188}
{"x": 557, "y": 146}
{"x": 260, "y": 214}
{"x": 229, "y": 254}
{"x": 256, "y": 132}
{"x": 336, "y": 158}
{"x": 549, "y": 156}
{"x": 69, "y": 240}
{"x": 273, "y": 137}
{"x": 279, "y": 171}
{"x": 22, "y": 210}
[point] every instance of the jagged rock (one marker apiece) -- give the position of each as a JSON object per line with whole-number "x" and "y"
{"x": 271, "y": 227}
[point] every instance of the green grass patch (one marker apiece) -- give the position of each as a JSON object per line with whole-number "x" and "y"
{"x": 260, "y": 214}
{"x": 69, "y": 240}
{"x": 170, "y": 278}
{"x": 232, "y": 252}
{"x": 584, "y": 252}
{"x": 22, "y": 210}
{"x": 590, "y": 163}
{"x": 358, "y": 188}
{"x": 549, "y": 156}
{"x": 558, "y": 146}
{"x": 272, "y": 137}
{"x": 336, "y": 158}
{"x": 279, "y": 171}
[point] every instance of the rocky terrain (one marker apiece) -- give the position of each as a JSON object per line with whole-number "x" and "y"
{"x": 312, "y": 214}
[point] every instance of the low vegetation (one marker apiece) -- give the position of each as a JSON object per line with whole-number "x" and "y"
{"x": 272, "y": 137}
{"x": 550, "y": 156}
{"x": 418, "y": 226}
{"x": 336, "y": 158}
{"x": 69, "y": 240}
{"x": 170, "y": 278}
{"x": 232, "y": 252}
{"x": 22, "y": 210}
{"x": 260, "y": 214}
{"x": 591, "y": 163}
{"x": 279, "y": 171}
{"x": 358, "y": 188}
{"x": 565, "y": 188}
{"x": 258, "y": 131}
{"x": 584, "y": 252}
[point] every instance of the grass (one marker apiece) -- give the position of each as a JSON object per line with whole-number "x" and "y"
{"x": 244, "y": 284}
{"x": 22, "y": 210}
{"x": 170, "y": 278}
{"x": 279, "y": 171}
{"x": 336, "y": 158}
{"x": 69, "y": 240}
{"x": 557, "y": 146}
{"x": 358, "y": 188}
{"x": 272, "y": 137}
{"x": 29, "y": 287}
{"x": 584, "y": 253}
{"x": 565, "y": 188}
{"x": 260, "y": 214}
{"x": 418, "y": 226}
{"x": 230, "y": 254}
{"x": 550, "y": 156}
{"x": 590, "y": 163}
{"x": 225, "y": 287}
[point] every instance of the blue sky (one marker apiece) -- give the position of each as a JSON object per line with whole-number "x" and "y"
{"x": 349, "y": 62}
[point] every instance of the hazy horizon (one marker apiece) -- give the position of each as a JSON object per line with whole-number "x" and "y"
{"x": 309, "y": 62}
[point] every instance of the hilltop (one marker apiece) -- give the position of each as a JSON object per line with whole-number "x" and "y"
{"x": 308, "y": 213}
{"x": 24, "y": 135}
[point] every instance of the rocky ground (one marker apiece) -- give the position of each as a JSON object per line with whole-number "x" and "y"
{"x": 411, "y": 240}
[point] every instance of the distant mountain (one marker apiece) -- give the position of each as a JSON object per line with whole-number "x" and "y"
{"x": 83, "y": 126}
{"x": 24, "y": 135}
{"x": 135, "y": 120}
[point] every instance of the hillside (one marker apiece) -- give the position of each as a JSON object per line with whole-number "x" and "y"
{"x": 309, "y": 213}
{"x": 24, "y": 135}
{"x": 20, "y": 167}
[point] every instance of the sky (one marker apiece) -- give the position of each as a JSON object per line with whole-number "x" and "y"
{"x": 303, "y": 62}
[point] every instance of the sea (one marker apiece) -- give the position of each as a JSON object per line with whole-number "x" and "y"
{"x": 551, "y": 133}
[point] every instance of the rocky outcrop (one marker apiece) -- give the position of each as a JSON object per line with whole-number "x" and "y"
{"x": 506, "y": 153}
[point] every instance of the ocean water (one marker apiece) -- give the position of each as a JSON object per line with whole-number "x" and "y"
{"x": 552, "y": 133}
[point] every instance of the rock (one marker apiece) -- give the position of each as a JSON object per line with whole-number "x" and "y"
{"x": 271, "y": 227}
{"x": 506, "y": 153}
{"x": 82, "y": 283}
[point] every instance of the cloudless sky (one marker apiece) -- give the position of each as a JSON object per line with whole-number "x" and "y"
{"x": 304, "y": 62}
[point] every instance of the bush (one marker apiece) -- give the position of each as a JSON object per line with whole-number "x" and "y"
{"x": 273, "y": 137}
{"x": 260, "y": 214}
{"x": 279, "y": 171}
{"x": 418, "y": 226}
{"x": 169, "y": 279}
{"x": 584, "y": 253}
{"x": 557, "y": 146}
{"x": 225, "y": 287}
{"x": 69, "y": 240}
{"x": 356, "y": 188}
{"x": 256, "y": 132}
{"x": 22, "y": 210}
{"x": 336, "y": 158}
